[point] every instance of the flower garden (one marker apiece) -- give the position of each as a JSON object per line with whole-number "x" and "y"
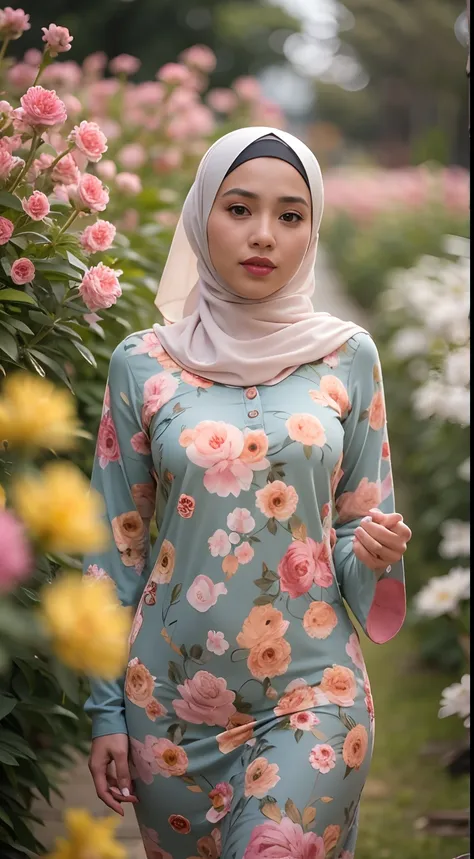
{"x": 93, "y": 172}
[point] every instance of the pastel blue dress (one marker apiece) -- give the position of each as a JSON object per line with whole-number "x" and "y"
{"x": 246, "y": 697}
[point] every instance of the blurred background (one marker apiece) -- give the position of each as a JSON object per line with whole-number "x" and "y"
{"x": 378, "y": 89}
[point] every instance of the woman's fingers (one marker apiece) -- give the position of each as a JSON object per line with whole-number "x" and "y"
{"x": 367, "y": 558}
{"x": 98, "y": 767}
{"x": 380, "y": 552}
{"x": 391, "y": 541}
{"x": 124, "y": 781}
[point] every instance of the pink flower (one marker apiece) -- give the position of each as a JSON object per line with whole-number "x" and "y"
{"x": 128, "y": 183}
{"x": 141, "y": 443}
{"x": 124, "y": 64}
{"x": 241, "y": 520}
{"x": 98, "y": 236}
{"x": 36, "y": 206}
{"x": 42, "y": 107}
{"x": 57, "y": 39}
{"x": 143, "y": 763}
{"x": 195, "y": 381}
{"x": 91, "y": 193}
{"x": 144, "y": 496}
{"x": 260, "y": 777}
{"x": 95, "y": 572}
{"x": 89, "y": 139}
{"x": 6, "y": 230}
{"x": 170, "y": 159}
{"x": 152, "y": 845}
{"x": 13, "y": 23}
{"x": 168, "y": 758}
{"x": 100, "y": 288}
{"x": 22, "y": 271}
{"x": 286, "y": 840}
{"x": 132, "y": 156}
{"x": 66, "y": 171}
{"x": 107, "y": 170}
{"x": 16, "y": 559}
{"x": 107, "y": 443}
{"x": 244, "y": 553}
{"x": 174, "y": 74}
{"x": 157, "y": 391}
{"x": 306, "y": 429}
{"x": 151, "y": 346}
{"x": 304, "y": 564}
{"x": 216, "y": 643}
{"x": 203, "y": 593}
{"x": 199, "y": 57}
{"x": 73, "y": 105}
{"x": 304, "y": 720}
{"x": 217, "y": 447}
{"x": 323, "y": 758}
{"x": 353, "y": 649}
{"x": 8, "y": 162}
{"x": 205, "y": 700}
{"x": 247, "y": 88}
{"x": 353, "y": 505}
{"x": 186, "y": 506}
{"x": 222, "y": 100}
{"x": 332, "y": 360}
{"x": 221, "y": 798}
{"x": 219, "y": 544}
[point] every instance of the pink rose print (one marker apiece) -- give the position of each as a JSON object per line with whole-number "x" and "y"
{"x": 203, "y": 593}
{"x": 304, "y": 564}
{"x": 221, "y": 798}
{"x": 339, "y": 685}
{"x": 205, "y": 700}
{"x": 285, "y": 839}
{"x": 244, "y": 553}
{"x": 107, "y": 444}
{"x": 195, "y": 381}
{"x": 141, "y": 443}
{"x": 186, "y": 506}
{"x": 234, "y": 538}
{"x": 323, "y": 758}
{"x": 95, "y": 572}
{"x": 306, "y": 429}
{"x": 167, "y": 758}
{"x": 216, "y": 446}
{"x": 260, "y": 777}
{"x": 216, "y": 643}
{"x": 143, "y": 763}
{"x": 304, "y": 721}
{"x": 151, "y": 843}
{"x": 219, "y": 544}
{"x": 144, "y": 496}
{"x": 332, "y": 360}
{"x": 151, "y": 346}
{"x": 353, "y": 649}
{"x": 157, "y": 391}
{"x": 354, "y": 505}
{"x": 241, "y": 520}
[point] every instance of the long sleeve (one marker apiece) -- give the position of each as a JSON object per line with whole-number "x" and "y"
{"x": 378, "y": 601}
{"x": 123, "y": 475}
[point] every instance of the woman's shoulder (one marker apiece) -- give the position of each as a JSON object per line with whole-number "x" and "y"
{"x": 364, "y": 349}
{"x": 142, "y": 351}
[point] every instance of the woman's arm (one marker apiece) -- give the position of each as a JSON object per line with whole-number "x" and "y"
{"x": 376, "y": 598}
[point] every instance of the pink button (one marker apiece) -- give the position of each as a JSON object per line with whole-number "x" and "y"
{"x": 253, "y": 413}
{"x": 251, "y": 393}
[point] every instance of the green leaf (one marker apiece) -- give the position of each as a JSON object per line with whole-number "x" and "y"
{"x": 196, "y": 651}
{"x": 20, "y": 326}
{"x": 68, "y": 681}
{"x": 8, "y": 345}
{"x": 266, "y": 599}
{"x": 53, "y": 365}
{"x": 6, "y": 819}
{"x": 58, "y": 268}
{"x": 175, "y": 593}
{"x": 7, "y": 758}
{"x": 308, "y": 450}
{"x": 272, "y": 526}
{"x": 57, "y": 710}
{"x": 174, "y": 672}
{"x": 7, "y": 704}
{"x": 34, "y": 363}
{"x": 38, "y": 236}
{"x": 16, "y": 296}
{"x": 85, "y": 352}
{"x": 40, "y": 317}
{"x": 10, "y": 201}
{"x": 74, "y": 260}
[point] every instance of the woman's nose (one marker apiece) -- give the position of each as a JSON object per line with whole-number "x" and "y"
{"x": 262, "y": 236}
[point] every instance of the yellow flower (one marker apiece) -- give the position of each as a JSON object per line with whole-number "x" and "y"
{"x": 88, "y": 838}
{"x": 60, "y": 510}
{"x": 3, "y": 498}
{"x": 88, "y": 626}
{"x": 33, "y": 412}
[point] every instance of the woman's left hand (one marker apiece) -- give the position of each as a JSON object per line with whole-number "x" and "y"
{"x": 381, "y": 539}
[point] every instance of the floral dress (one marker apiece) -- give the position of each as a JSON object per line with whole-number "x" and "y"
{"x": 246, "y": 697}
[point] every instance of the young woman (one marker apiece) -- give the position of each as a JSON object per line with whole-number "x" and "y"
{"x": 253, "y": 428}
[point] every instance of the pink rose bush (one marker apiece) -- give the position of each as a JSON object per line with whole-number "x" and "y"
{"x": 22, "y": 271}
{"x": 16, "y": 557}
{"x": 100, "y": 287}
{"x": 37, "y": 206}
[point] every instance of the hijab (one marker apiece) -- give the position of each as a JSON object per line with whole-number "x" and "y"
{"x": 221, "y": 336}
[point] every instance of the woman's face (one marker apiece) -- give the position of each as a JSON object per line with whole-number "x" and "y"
{"x": 259, "y": 227}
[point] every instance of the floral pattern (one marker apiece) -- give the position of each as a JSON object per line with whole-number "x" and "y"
{"x": 246, "y": 697}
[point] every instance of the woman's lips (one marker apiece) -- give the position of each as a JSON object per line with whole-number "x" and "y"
{"x": 259, "y": 269}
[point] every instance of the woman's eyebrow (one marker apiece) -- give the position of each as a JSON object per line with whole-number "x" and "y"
{"x": 241, "y": 192}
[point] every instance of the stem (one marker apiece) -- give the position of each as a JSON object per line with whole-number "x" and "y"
{"x": 43, "y": 64}
{"x": 35, "y": 142}
{"x": 4, "y": 49}
{"x": 70, "y": 220}
{"x": 61, "y": 155}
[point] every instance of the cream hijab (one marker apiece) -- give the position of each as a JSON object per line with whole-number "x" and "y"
{"x": 224, "y": 337}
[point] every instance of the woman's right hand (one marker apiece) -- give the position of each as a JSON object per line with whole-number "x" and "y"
{"x": 108, "y": 764}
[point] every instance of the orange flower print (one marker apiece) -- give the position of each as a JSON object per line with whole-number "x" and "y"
{"x": 296, "y": 698}
{"x": 179, "y": 823}
{"x": 169, "y": 759}
{"x": 128, "y": 531}
{"x": 139, "y": 683}
{"x": 269, "y": 659}
{"x": 306, "y": 429}
{"x": 260, "y": 777}
{"x": 195, "y": 381}
{"x": 385, "y": 450}
{"x": 339, "y": 685}
{"x": 263, "y": 624}
{"x": 354, "y": 505}
{"x": 255, "y": 450}
{"x": 186, "y": 506}
{"x": 336, "y": 475}
{"x": 155, "y": 710}
{"x": 277, "y": 500}
{"x": 355, "y": 747}
{"x": 331, "y": 836}
{"x": 164, "y": 564}
{"x": 187, "y": 437}
{"x": 239, "y": 730}
{"x": 230, "y": 565}
{"x": 319, "y": 620}
{"x": 377, "y": 411}
{"x": 333, "y": 394}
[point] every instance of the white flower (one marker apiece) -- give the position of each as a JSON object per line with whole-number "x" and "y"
{"x": 441, "y": 595}
{"x": 408, "y": 342}
{"x": 457, "y": 367}
{"x": 456, "y": 541}
{"x": 456, "y": 700}
{"x": 464, "y": 470}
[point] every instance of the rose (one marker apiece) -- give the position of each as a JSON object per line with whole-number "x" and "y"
{"x": 205, "y": 700}
{"x": 244, "y": 553}
{"x": 22, "y": 271}
{"x": 247, "y": 88}
{"x": 277, "y": 500}
{"x": 195, "y": 381}
{"x": 66, "y": 171}
{"x": 98, "y": 236}
{"x": 264, "y": 624}
{"x": 139, "y": 683}
{"x": 303, "y": 721}
{"x": 203, "y": 593}
{"x": 222, "y": 100}
{"x": 199, "y": 57}
{"x": 13, "y": 23}
{"x": 141, "y": 443}
{"x": 91, "y": 194}
{"x": 16, "y": 559}
{"x": 128, "y": 183}
{"x": 269, "y": 658}
{"x": 241, "y": 520}
{"x": 286, "y": 839}
{"x": 175, "y": 74}
{"x": 124, "y": 64}
{"x": 144, "y": 496}
{"x": 155, "y": 710}
{"x": 255, "y": 449}
{"x": 42, "y": 107}
{"x": 108, "y": 449}
{"x": 377, "y": 411}
{"x": 99, "y": 287}
{"x": 239, "y": 730}
{"x": 57, "y": 39}
{"x": 128, "y": 531}
{"x": 6, "y": 230}
{"x": 319, "y": 620}
{"x": 339, "y": 685}
{"x": 8, "y": 162}
{"x": 169, "y": 759}
{"x": 215, "y": 441}
{"x": 89, "y": 139}
{"x": 355, "y": 747}
{"x": 221, "y": 798}
{"x": 157, "y": 391}
{"x": 353, "y": 649}
{"x": 164, "y": 564}
{"x": 132, "y": 156}
{"x": 353, "y": 505}
{"x": 179, "y": 823}
{"x": 297, "y": 569}
{"x": 306, "y": 429}
{"x": 107, "y": 170}
{"x": 260, "y": 777}
{"x": 323, "y": 758}
{"x": 186, "y": 506}
{"x": 295, "y": 699}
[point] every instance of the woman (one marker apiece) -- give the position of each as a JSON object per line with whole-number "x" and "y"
{"x": 258, "y": 427}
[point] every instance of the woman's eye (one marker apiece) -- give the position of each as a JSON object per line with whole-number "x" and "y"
{"x": 291, "y": 217}
{"x": 238, "y": 210}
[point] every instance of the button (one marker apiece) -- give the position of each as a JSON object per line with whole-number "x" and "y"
{"x": 251, "y": 393}
{"x": 388, "y": 569}
{"x": 253, "y": 413}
